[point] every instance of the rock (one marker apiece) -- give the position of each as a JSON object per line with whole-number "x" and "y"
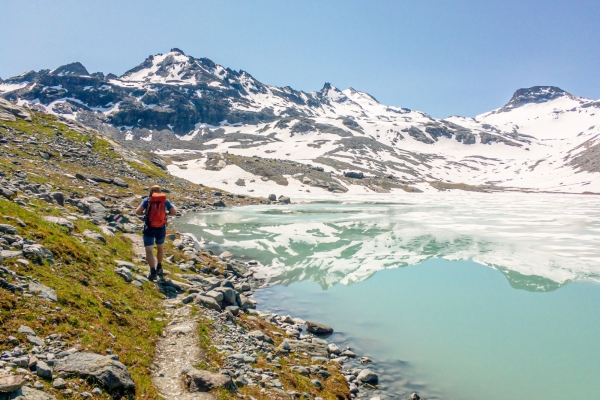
{"x": 35, "y": 340}
{"x": 7, "y": 108}
{"x": 43, "y": 370}
{"x": 5, "y": 228}
{"x": 43, "y": 291}
{"x": 94, "y": 235}
{"x": 111, "y": 374}
{"x": 126, "y": 264}
{"x": 246, "y": 302}
{"x": 354, "y": 175}
{"x": 207, "y": 302}
{"x": 27, "y": 393}
{"x": 101, "y": 179}
{"x": 11, "y": 383}
{"x": 26, "y": 330}
{"x": 97, "y": 391}
{"x": 124, "y": 273}
{"x": 59, "y": 198}
{"x": 312, "y": 349}
{"x": 7, "y": 193}
{"x": 235, "y": 310}
{"x": 284, "y": 200}
{"x": 334, "y": 349}
{"x": 218, "y": 296}
{"x": 189, "y": 299}
{"x": 60, "y": 221}
{"x": 315, "y": 327}
{"x": 37, "y": 252}
{"x": 301, "y": 370}
{"x": 348, "y": 353}
{"x": 59, "y": 383}
{"x": 414, "y": 396}
{"x": 317, "y": 383}
{"x": 81, "y": 177}
{"x": 365, "y": 360}
{"x": 203, "y": 381}
{"x": 367, "y": 376}
{"x": 243, "y": 358}
{"x": 226, "y": 255}
{"x": 272, "y": 197}
{"x": 229, "y": 294}
{"x": 259, "y": 335}
{"x": 120, "y": 182}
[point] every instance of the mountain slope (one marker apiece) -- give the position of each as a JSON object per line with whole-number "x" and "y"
{"x": 239, "y": 128}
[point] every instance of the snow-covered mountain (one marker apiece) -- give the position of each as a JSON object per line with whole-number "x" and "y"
{"x": 210, "y": 118}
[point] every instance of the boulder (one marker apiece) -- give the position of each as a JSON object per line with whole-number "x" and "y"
{"x": 229, "y": 294}
{"x": 319, "y": 329}
{"x": 312, "y": 349}
{"x": 36, "y": 341}
{"x": 203, "y": 381}
{"x": 42, "y": 291}
{"x": 110, "y": 373}
{"x": 59, "y": 198}
{"x": 60, "y": 221}
{"x": 120, "y": 182}
{"x": 414, "y": 396}
{"x": 207, "y": 302}
{"x": 226, "y": 255}
{"x": 218, "y": 296}
{"x": 284, "y": 200}
{"x": 94, "y": 236}
{"x": 124, "y": 273}
{"x": 11, "y": 383}
{"x": 5, "y": 228}
{"x": 43, "y": 370}
{"x": 7, "y": 193}
{"x": 272, "y": 197}
{"x": 366, "y": 376}
{"x": 101, "y": 179}
{"x": 27, "y": 393}
{"x": 259, "y": 335}
{"x": 26, "y": 330}
{"x": 37, "y": 252}
{"x": 354, "y": 175}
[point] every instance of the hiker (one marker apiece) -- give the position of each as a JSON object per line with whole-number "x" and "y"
{"x": 155, "y": 209}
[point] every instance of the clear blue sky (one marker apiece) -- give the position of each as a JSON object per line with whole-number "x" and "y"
{"x": 440, "y": 57}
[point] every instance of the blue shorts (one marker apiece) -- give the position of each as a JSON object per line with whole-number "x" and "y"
{"x": 154, "y": 235}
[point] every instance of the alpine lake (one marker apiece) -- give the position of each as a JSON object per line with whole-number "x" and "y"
{"x": 454, "y": 295}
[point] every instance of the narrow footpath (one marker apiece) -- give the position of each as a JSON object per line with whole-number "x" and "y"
{"x": 178, "y": 347}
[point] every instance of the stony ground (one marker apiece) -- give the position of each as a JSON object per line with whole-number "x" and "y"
{"x": 79, "y": 319}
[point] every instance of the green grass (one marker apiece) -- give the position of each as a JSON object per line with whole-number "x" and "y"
{"x": 83, "y": 279}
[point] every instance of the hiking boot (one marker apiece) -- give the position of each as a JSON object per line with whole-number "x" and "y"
{"x": 159, "y": 270}
{"x": 152, "y": 276}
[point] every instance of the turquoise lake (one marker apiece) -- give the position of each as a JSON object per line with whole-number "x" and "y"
{"x": 456, "y": 296}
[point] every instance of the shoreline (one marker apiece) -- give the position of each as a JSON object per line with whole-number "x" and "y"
{"x": 349, "y": 363}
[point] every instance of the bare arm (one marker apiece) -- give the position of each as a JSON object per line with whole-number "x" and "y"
{"x": 140, "y": 210}
{"x": 173, "y": 211}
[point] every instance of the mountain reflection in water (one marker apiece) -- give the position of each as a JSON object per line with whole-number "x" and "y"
{"x": 538, "y": 241}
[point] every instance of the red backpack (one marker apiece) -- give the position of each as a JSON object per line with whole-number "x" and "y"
{"x": 156, "y": 214}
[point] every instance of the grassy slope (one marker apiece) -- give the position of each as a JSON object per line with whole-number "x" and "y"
{"x": 83, "y": 274}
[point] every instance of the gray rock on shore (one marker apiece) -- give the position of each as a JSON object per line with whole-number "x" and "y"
{"x": 366, "y": 376}
{"x": 317, "y": 328}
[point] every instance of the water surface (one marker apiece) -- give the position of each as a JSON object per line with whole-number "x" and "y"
{"x": 458, "y": 296}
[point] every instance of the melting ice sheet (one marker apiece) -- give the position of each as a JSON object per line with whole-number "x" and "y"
{"x": 538, "y": 241}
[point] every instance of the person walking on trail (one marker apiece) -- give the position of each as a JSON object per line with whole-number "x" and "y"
{"x": 155, "y": 209}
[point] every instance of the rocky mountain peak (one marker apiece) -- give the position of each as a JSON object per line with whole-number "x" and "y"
{"x": 75, "y": 68}
{"x": 535, "y": 94}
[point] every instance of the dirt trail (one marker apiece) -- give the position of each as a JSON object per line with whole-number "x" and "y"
{"x": 177, "y": 348}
